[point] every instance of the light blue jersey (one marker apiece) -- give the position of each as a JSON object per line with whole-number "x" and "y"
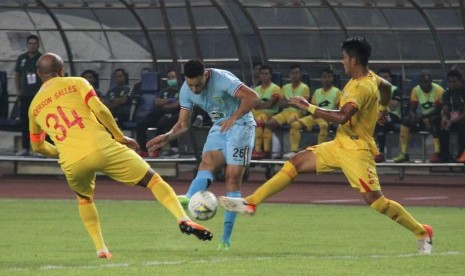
{"x": 217, "y": 97}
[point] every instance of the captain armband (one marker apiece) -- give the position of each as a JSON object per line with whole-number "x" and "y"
{"x": 312, "y": 108}
{"x": 39, "y": 137}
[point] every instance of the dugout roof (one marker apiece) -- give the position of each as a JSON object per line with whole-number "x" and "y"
{"x": 407, "y": 35}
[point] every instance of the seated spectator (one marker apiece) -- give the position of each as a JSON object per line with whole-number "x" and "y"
{"x": 136, "y": 89}
{"x": 394, "y": 113}
{"x": 428, "y": 96}
{"x": 256, "y": 74}
{"x": 269, "y": 95}
{"x": 164, "y": 115}
{"x": 453, "y": 115}
{"x": 289, "y": 114}
{"x": 92, "y": 77}
{"x": 118, "y": 98}
{"x": 326, "y": 97}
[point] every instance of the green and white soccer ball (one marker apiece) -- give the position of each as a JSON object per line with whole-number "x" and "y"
{"x": 203, "y": 205}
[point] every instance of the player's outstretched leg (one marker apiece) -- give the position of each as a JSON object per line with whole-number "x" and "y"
{"x": 247, "y": 206}
{"x": 237, "y": 205}
{"x": 189, "y": 227}
{"x": 201, "y": 182}
{"x": 167, "y": 197}
{"x": 395, "y": 211}
{"x": 90, "y": 219}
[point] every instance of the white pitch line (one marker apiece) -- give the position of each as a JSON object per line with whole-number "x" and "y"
{"x": 335, "y": 200}
{"x": 237, "y": 259}
{"x": 426, "y": 198}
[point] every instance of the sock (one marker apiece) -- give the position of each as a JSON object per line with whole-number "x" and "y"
{"x": 397, "y": 213}
{"x": 278, "y": 182}
{"x": 323, "y": 135}
{"x": 166, "y": 196}
{"x": 229, "y": 219}
{"x": 89, "y": 217}
{"x": 200, "y": 182}
{"x": 404, "y": 138}
{"x": 267, "y": 136}
{"x": 258, "y": 137}
{"x": 295, "y": 136}
{"x": 437, "y": 145}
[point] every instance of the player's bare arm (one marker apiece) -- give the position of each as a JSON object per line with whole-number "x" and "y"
{"x": 181, "y": 127}
{"x": 249, "y": 99}
{"x": 340, "y": 116}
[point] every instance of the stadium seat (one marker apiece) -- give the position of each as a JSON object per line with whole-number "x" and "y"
{"x": 143, "y": 103}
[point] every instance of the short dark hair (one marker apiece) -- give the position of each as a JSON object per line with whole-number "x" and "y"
{"x": 89, "y": 71}
{"x": 33, "y": 36}
{"x": 455, "y": 73}
{"x": 358, "y": 47}
{"x": 384, "y": 71}
{"x": 194, "y": 68}
{"x": 327, "y": 70}
{"x": 295, "y": 66}
{"x": 266, "y": 67}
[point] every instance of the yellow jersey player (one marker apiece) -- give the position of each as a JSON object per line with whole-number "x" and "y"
{"x": 268, "y": 95}
{"x": 326, "y": 97}
{"x": 290, "y": 113}
{"x": 428, "y": 96}
{"x": 87, "y": 140}
{"x": 351, "y": 150}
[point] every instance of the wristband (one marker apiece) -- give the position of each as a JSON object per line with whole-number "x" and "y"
{"x": 382, "y": 107}
{"x": 311, "y": 108}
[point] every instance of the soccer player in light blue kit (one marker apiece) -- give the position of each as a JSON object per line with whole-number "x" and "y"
{"x": 228, "y": 101}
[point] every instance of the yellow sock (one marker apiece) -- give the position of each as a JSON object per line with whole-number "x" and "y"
{"x": 89, "y": 217}
{"x": 166, "y": 196}
{"x": 323, "y": 135}
{"x": 295, "y": 136}
{"x": 267, "y": 136}
{"x": 404, "y": 137}
{"x": 397, "y": 213}
{"x": 278, "y": 182}
{"x": 258, "y": 139}
{"x": 437, "y": 145}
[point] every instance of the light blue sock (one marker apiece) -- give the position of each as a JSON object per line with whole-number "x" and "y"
{"x": 200, "y": 182}
{"x": 229, "y": 219}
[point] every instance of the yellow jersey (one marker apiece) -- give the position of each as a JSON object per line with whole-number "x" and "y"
{"x": 60, "y": 108}
{"x": 357, "y": 133}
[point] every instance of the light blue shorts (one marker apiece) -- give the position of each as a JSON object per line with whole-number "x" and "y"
{"x": 236, "y": 143}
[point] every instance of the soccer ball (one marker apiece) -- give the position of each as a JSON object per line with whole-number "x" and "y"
{"x": 203, "y": 205}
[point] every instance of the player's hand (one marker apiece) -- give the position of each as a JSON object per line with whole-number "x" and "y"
{"x": 227, "y": 124}
{"x": 157, "y": 142}
{"x": 299, "y": 102}
{"x": 130, "y": 143}
{"x": 382, "y": 117}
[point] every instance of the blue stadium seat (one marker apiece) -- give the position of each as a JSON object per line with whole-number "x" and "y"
{"x": 277, "y": 78}
{"x": 143, "y": 104}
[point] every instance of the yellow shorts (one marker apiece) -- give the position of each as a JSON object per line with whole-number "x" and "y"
{"x": 310, "y": 121}
{"x": 115, "y": 160}
{"x": 261, "y": 116}
{"x": 285, "y": 117}
{"x": 358, "y": 165}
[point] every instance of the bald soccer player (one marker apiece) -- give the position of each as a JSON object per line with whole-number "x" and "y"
{"x": 87, "y": 140}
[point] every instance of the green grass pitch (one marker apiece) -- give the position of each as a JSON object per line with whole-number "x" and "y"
{"x": 46, "y": 237}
